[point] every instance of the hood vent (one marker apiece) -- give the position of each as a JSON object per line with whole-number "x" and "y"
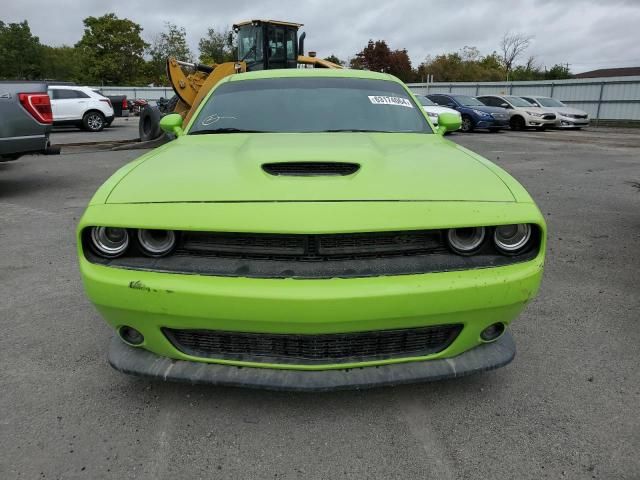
{"x": 310, "y": 169}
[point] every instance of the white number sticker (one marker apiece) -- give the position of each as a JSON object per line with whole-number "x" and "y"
{"x": 382, "y": 100}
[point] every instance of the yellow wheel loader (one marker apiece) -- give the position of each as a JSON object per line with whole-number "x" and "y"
{"x": 262, "y": 45}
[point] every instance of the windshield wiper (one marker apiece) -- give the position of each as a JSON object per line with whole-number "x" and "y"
{"x": 224, "y": 130}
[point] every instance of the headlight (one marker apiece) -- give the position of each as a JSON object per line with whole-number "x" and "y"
{"x": 481, "y": 113}
{"x": 534, "y": 114}
{"x": 465, "y": 241}
{"x": 109, "y": 241}
{"x": 512, "y": 238}
{"x": 156, "y": 243}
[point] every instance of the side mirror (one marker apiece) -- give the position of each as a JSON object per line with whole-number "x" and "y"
{"x": 172, "y": 123}
{"x": 448, "y": 122}
{"x": 505, "y": 105}
{"x": 451, "y": 105}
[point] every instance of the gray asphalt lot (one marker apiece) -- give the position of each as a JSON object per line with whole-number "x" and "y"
{"x": 122, "y": 128}
{"x": 566, "y": 408}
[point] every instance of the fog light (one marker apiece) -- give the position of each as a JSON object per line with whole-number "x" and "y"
{"x": 156, "y": 243}
{"x": 109, "y": 241}
{"x": 131, "y": 335}
{"x": 512, "y": 238}
{"x": 492, "y": 332}
{"x": 465, "y": 241}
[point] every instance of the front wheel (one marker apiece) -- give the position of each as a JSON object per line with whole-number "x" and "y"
{"x": 467, "y": 124}
{"x": 93, "y": 121}
{"x": 517, "y": 123}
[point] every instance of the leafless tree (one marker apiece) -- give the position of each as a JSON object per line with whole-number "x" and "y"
{"x": 511, "y": 47}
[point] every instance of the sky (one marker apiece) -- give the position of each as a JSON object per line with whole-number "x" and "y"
{"x": 586, "y": 34}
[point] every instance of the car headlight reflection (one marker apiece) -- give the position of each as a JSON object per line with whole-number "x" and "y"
{"x": 512, "y": 238}
{"x": 156, "y": 243}
{"x": 109, "y": 241}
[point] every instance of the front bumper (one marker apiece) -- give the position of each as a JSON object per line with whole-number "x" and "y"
{"x": 540, "y": 122}
{"x": 572, "y": 123}
{"x": 492, "y": 123}
{"x": 143, "y": 363}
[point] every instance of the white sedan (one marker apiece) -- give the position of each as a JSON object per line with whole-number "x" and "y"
{"x": 434, "y": 110}
{"x": 567, "y": 117}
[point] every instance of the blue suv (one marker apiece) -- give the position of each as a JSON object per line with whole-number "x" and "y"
{"x": 475, "y": 114}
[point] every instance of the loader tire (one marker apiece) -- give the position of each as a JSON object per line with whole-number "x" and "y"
{"x": 170, "y": 106}
{"x": 149, "y": 123}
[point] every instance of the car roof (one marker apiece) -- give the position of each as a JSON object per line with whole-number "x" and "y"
{"x": 312, "y": 72}
{"x": 536, "y": 96}
{"x": 67, "y": 87}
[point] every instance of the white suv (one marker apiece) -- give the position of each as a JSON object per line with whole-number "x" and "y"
{"x": 80, "y": 106}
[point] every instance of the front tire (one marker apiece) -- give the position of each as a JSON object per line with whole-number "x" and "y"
{"x": 467, "y": 124}
{"x": 517, "y": 123}
{"x": 93, "y": 121}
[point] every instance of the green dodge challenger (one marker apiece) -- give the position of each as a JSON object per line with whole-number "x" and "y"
{"x": 309, "y": 229}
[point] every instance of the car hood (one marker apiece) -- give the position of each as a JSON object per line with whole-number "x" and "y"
{"x": 569, "y": 110}
{"x": 228, "y": 168}
{"x": 488, "y": 109}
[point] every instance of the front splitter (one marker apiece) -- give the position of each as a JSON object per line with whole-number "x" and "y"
{"x": 137, "y": 361}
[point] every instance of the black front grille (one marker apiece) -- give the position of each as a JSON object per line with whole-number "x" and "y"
{"x": 313, "y": 349}
{"x": 311, "y": 247}
{"x": 310, "y": 169}
{"x": 317, "y": 256}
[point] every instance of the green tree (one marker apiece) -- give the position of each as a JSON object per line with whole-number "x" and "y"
{"x": 20, "y": 52}
{"x": 217, "y": 47}
{"x": 63, "y": 63}
{"x": 112, "y": 50}
{"x": 170, "y": 43}
{"x": 558, "y": 72}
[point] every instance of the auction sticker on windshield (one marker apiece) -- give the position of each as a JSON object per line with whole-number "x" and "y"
{"x": 383, "y": 100}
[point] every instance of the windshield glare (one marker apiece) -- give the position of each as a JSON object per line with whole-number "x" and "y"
{"x": 313, "y": 104}
{"x": 519, "y": 102}
{"x": 424, "y": 101}
{"x": 550, "y": 102}
{"x": 469, "y": 101}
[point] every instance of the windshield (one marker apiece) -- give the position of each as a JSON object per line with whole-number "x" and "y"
{"x": 518, "y": 102}
{"x": 550, "y": 102}
{"x": 250, "y": 43}
{"x": 424, "y": 101}
{"x": 469, "y": 101}
{"x": 310, "y": 105}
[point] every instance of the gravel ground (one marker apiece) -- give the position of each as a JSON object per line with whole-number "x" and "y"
{"x": 567, "y": 407}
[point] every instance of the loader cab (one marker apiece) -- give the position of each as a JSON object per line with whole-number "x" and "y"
{"x": 268, "y": 44}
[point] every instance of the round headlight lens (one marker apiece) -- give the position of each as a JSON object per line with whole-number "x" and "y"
{"x": 156, "y": 243}
{"x": 109, "y": 241}
{"x": 512, "y": 238}
{"x": 465, "y": 241}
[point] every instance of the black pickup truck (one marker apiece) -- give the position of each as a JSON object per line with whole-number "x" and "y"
{"x": 25, "y": 119}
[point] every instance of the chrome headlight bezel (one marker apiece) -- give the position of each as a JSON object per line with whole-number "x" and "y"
{"x": 109, "y": 247}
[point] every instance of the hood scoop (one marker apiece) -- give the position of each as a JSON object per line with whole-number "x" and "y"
{"x": 310, "y": 169}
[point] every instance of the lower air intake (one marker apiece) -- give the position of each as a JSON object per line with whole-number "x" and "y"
{"x": 313, "y": 349}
